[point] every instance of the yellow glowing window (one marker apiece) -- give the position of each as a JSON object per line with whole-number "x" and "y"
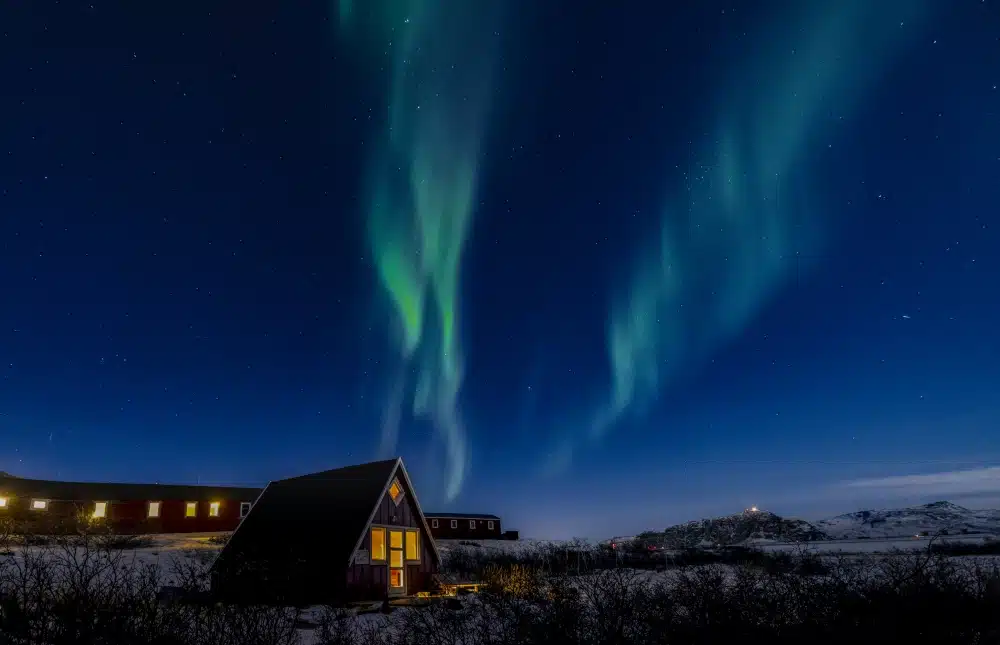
{"x": 100, "y": 509}
{"x": 412, "y": 545}
{"x": 154, "y": 509}
{"x": 39, "y": 504}
{"x": 396, "y": 578}
{"x": 378, "y": 544}
{"x": 3, "y": 502}
{"x": 214, "y": 508}
{"x": 395, "y": 539}
{"x": 395, "y": 558}
{"x": 191, "y": 509}
{"x": 395, "y": 491}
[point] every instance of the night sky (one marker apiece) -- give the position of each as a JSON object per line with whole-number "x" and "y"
{"x": 594, "y": 267}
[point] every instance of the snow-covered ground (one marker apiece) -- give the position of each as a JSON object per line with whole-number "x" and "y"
{"x": 877, "y": 545}
{"x": 169, "y": 551}
{"x": 868, "y": 545}
{"x": 511, "y": 546}
{"x": 168, "y": 548}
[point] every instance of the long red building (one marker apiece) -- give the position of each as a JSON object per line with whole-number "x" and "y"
{"x": 126, "y": 508}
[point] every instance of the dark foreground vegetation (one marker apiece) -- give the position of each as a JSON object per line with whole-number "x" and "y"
{"x": 91, "y": 589}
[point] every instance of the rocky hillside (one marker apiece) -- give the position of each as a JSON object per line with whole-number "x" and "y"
{"x": 737, "y": 529}
{"x": 929, "y": 519}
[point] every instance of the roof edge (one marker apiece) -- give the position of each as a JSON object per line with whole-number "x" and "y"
{"x": 237, "y": 529}
{"x": 30, "y": 480}
{"x": 464, "y": 516}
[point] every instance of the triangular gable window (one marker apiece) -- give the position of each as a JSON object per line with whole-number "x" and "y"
{"x": 396, "y": 491}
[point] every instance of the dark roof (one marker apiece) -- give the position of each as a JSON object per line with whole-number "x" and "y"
{"x": 120, "y": 492}
{"x": 320, "y": 515}
{"x": 462, "y": 516}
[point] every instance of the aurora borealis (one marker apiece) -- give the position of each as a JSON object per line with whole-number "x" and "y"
{"x": 441, "y": 59}
{"x": 742, "y": 224}
{"x": 561, "y": 261}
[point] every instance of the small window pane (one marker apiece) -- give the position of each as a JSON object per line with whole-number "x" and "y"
{"x": 191, "y": 509}
{"x": 39, "y": 504}
{"x": 395, "y": 539}
{"x": 100, "y": 509}
{"x": 378, "y": 544}
{"x": 489, "y": 525}
{"x": 154, "y": 509}
{"x": 396, "y": 578}
{"x": 434, "y": 524}
{"x": 395, "y": 558}
{"x": 3, "y": 502}
{"x": 412, "y": 546}
{"x": 472, "y": 524}
{"x": 454, "y": 524}
{"x": 214, "y": 508}
{"x": 244, "y": 509}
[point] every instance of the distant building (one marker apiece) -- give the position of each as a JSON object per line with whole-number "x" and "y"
{"x": 48, "y": 506}
{"x": 467, "y": 526}
{"x": 354, "y": 533}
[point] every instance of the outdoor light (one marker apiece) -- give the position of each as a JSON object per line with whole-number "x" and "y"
{"x": 3, "y": 502}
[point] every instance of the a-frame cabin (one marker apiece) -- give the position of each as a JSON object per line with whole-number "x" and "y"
{"x": 354, "y": 533}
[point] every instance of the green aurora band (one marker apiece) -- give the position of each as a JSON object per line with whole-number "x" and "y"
{"x": 733, "y": 235}
{"x": 423, "y": 195}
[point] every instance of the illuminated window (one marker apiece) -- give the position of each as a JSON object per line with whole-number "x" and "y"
{"x": 396, "y": 578}
{"x": 191, "y": 509}
{"x": 154, "y": 509}
{"x": 395, "y": 539}
{"x": 395, "y": 558}
{"x": 396, "y": 491}
{"x": 244, "y": 509}
{"x": 434, "y": 524}
{"x": 3, "y": 502}
{"x": 378, "y": 544}
{"x": 100, "y": 510}
{"x": 412, "y": 545}
{"x": 454, "y": 524}
{"x": 39, "y": 504}
{"x": 489, "y": 525}
{"x": 214, "y": 508}
{"x": 472, "y": 524}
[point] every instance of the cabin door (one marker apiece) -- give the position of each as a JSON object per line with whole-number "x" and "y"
{"x": 397, "y": 581}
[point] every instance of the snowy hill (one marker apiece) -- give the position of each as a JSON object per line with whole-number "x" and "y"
{"x": 906, "y": 522}
{"x": 753, "y": 526}
{"x": 737, "y": 529}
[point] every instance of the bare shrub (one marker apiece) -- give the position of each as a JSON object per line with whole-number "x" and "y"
{"x": 87, "y": 589}
{"x": 515, "y": 580}
{"x": 84, "y": 589}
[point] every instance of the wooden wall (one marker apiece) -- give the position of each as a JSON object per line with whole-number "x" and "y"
{"x": 371, "y": 581}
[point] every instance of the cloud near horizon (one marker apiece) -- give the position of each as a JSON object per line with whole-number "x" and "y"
{"x": 969, "y": 482}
